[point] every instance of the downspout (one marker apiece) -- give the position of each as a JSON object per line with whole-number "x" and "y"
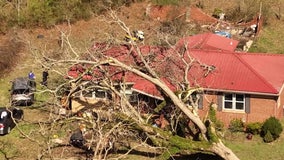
{"x": 275, "y": 108}
{"x": 280, "y": 100}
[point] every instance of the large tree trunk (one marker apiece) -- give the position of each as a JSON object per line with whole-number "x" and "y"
{"x": 183, "y": 146}
{"x": 223, "y": 151}
{"x": 219, "y": 148}
{"x": 169, "y": 92}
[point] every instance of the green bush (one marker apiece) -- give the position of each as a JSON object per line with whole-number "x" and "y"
{"x": 219, "y": 125}
{"x": 273, "y": 126}
{"x": 236, "y": 125}
{"x": 217, "y": 12}
{"x": 47, "y": 13}
{"x": 254, "y": 128}
{"x": 268, "y": 137}
{"x": 212, "y": 114}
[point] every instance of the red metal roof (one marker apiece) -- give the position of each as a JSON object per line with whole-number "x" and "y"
{"x": 209, "y": 41}
{"x": 146, "y": 87}
{"x": 268, "y": 66}
{"x": 232, "y": 71}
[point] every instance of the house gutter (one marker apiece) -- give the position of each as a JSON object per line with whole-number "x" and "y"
{"x": 246, "y": 92}
{"x": 216, "y": 90}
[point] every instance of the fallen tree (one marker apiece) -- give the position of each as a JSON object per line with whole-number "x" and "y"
{"x": 129, "y": 123}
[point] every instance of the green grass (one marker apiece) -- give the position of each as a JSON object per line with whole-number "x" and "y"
{"x": 271, "y": 39}
{"x": 7, "y": 150}
{"x": 5, "y": 86}
{"x": 254, "y": 149}
{"x": 25, "y": 128}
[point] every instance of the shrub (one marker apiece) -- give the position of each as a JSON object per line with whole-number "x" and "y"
{"x": 273, "y": 126}
{"x": 268, "y": 137}
{"x": 212, "y": 113}
{"x": 236, "y": 125}
{"x": 219, "y": 125}
{"x": 38, "y": 13}
{"x": 254, "y": 128}
{"x": 212, "y": 116}
{"x": 217, "y": 12}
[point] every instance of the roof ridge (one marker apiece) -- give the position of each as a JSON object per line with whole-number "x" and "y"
{"x": 207, "y": 36}
{"x": 199, "y": 43}
{"x": 259, "y": 53}
{"x": 254, "y": 71}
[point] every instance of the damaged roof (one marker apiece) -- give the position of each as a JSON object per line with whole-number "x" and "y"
{"x": 230, "y": 71}
{"x": 208, "y": 41}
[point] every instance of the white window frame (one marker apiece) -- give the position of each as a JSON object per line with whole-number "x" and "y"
{"x": 234, "y": 102}
{"x": 99, "y": 90}
{"x": 130, "y": 95}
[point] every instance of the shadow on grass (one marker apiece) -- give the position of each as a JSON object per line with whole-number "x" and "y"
{"x": 196, "y": 156}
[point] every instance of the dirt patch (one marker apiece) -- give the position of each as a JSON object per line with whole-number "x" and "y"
{"x": 189, "y": 14}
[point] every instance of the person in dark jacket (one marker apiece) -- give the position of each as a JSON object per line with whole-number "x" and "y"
{"x": 44, "y": 77}
{"x": 77, "y": 139}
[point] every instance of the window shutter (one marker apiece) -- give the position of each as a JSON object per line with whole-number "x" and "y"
{"x": 220, "y": 102}
{"x": 200, "y": 102}
{"x": 247, "y": 103}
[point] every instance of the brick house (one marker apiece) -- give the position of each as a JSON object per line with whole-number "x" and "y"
{"x": 246, "y": 86}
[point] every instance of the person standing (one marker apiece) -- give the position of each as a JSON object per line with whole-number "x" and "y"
{"x": 44, "y": 77}
{"x": 31, "y": 75}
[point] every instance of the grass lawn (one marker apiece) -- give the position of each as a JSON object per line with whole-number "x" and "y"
{"x": 270, "y": 39}
{"x": 255, "y": 149}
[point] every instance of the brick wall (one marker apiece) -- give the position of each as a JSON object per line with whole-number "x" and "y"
{"x": 261, "y": 108}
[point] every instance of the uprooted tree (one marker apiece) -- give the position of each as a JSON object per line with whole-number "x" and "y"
{"x": 108, "y": 126}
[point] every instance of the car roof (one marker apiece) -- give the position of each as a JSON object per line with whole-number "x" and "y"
{"x": 20, "y": 83}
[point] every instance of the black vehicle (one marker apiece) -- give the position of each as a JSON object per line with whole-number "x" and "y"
{"x": 22, "y": 91}
{"x": 8, "y": 119}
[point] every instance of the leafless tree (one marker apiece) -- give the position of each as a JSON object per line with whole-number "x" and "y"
{"x": 109, "y": 126}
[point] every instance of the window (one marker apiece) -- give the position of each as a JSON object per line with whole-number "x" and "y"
{"x": 234, "y": 102}
{"x": 196, "y": 99}
{"x": 132, "y": 97}
{"x": 99, "y": 94}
